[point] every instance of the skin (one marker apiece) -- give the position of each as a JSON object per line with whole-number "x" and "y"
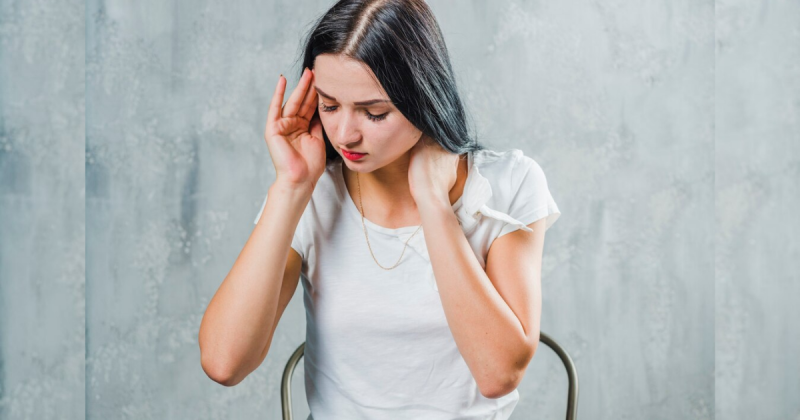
{"x": 402, "y": 165}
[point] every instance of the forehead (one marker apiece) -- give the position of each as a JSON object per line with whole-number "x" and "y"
{"x": 346, "y": 79}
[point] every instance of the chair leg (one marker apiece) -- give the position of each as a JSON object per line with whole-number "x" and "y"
{"x": 572, "y": 374}
{"x": 286, "y": 382}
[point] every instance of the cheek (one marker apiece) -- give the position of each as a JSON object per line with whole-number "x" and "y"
{"x": 328, "y": 124}
{"x": 388, "y": 136}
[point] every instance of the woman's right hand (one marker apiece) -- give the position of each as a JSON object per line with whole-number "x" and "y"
{"x": 294, "y": 134}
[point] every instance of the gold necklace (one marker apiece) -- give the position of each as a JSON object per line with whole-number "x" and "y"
{"x": 363, "y": 225}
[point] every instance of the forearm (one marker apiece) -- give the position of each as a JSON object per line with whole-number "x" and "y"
{"x": 238, "y": 322}
{"x": 489, "y": 336}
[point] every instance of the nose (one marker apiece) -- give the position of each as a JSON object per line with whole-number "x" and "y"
{"x": 347, "y": 132}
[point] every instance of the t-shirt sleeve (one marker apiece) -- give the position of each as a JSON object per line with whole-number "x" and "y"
{"x": 531, "y": 200}
{"x": 298, "y": 240}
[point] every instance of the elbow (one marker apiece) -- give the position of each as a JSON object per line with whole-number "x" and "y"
{"x": 217, "y": 365}
{"x": 220, "y": 373}
{"x": 497, "y": 391}
{"x": 508, "y": 382}
{"x": 502, "y": 385}
{"x": 216, "y": 373}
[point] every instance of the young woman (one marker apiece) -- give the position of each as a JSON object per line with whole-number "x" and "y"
{"x": 419, "y": 250}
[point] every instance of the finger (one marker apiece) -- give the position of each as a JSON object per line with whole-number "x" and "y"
{"x": 309, "y": 103}
{"x": 293, "y": 104}
{"x": 277, "y": 99}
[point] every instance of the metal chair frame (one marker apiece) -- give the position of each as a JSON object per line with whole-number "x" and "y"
{"x": 572, "y": 376}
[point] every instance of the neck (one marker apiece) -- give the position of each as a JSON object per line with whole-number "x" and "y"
{"x": 389, "y": 185}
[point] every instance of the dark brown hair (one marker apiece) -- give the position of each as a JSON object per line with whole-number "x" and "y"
{"x": 400, "y": 41}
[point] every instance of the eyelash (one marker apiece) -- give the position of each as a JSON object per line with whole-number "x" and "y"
{"x": 381, "y": 117}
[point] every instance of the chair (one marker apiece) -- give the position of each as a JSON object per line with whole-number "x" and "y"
{"x": 572, "y": 375}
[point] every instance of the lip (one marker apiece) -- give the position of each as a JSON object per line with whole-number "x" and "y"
{"x": 352, "y": 155}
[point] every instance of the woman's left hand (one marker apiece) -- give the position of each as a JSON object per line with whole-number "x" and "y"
{"x": 432, "y": 171}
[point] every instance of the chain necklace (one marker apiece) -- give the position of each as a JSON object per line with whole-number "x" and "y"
{"x": 363, "y": 225}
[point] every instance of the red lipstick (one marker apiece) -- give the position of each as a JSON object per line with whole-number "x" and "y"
{"x": 353, "y": 155}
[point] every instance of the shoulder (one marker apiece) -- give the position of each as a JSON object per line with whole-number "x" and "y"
{"x": 509, "y": 162}
{"x": 506, "y": 172}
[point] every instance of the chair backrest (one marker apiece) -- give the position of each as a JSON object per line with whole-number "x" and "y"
{"x": 572, "y": 376}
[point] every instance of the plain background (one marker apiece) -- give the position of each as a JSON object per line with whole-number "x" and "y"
{"x": 132, "y": 165}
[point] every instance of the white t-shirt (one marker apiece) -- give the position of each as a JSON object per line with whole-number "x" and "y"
{"x": 378, "y": 345}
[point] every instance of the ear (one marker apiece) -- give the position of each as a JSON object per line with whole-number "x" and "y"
{"x": 420, "y": 140}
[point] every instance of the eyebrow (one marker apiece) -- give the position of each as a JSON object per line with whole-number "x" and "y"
{"x": 362, "y": 103}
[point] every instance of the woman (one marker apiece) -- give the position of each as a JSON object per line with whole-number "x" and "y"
{"x": 420, "y": 251}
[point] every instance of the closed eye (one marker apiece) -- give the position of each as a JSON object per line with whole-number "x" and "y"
{"x": 326, "y": 108}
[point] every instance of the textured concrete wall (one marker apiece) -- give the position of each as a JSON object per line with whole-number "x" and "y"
{"x": 42, "y": 210}
{"x": 156, "y": 111}
{"x": 757, "y": 223}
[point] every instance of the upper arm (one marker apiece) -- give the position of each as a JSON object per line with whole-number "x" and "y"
{"x": 514, "y": 265}
{"x": 291, "y": 277}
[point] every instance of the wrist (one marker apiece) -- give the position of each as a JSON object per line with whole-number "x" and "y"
{"x": 291, "y": 189}
{"x": 433, "y": 201}
{"x": 291, "y": 196}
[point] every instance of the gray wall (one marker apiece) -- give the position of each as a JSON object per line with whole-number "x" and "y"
{"x": 757, "y": 224}
{"x": 42, "y": 210}
{"x": 132, "y": 163}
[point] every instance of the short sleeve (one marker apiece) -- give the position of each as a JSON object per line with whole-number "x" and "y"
{"x": 531, "y": 200}
{"x": 298, "y": 244}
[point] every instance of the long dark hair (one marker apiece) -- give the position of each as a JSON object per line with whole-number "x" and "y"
{"x": 400, "y": 41}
